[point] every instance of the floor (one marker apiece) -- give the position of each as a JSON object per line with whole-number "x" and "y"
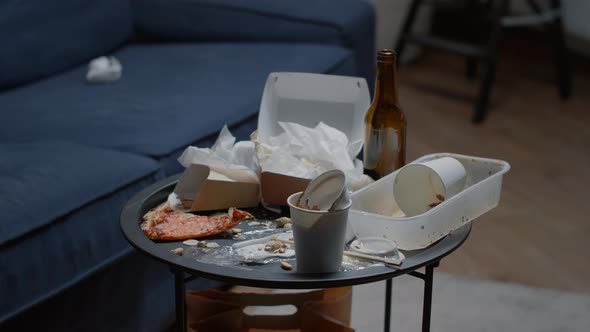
{"x": 470, "y": 305}
{"x": 537, "y": 235}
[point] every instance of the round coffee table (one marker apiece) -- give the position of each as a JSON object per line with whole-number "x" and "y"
{"x": 271, "y": 275}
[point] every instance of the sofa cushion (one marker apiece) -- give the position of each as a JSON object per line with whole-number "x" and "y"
{"x": 348, "y": 23}
{"x": 186, "y": 91}
{"x": 322, "y": 21}
{"x": 40, "y": 38}
{"x": 61, "y": 204}
{"x": 40, "y": 182}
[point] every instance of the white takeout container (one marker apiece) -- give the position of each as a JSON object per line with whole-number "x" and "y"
{"x": 307, "y": 99}
{"x": 201, "y": 189}
{"x": 374, "y": 211}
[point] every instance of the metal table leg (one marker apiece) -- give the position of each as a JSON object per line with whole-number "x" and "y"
{"x": 427, "y": 306}
{"x": 560, "y": 52}
{"x": 387, "y": 320}
{"x": 179, "y": 294}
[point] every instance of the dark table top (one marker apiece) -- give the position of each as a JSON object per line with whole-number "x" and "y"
{"x": 265, "y": 275}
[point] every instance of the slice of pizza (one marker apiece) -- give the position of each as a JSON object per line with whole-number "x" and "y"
{"x": 163, "y": 223}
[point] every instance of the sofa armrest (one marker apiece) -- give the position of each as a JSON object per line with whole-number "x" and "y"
{"x": 349, "y": 23}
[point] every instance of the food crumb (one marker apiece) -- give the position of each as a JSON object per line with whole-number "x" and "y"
{"x": 236, "y": 231}
{"x": 191, "y": 242}
{"x": 440, "y": 197}
{"x": 253, "y": 223}
{"x": 212, "y": 245}
{"x": 178, "y": 251}
{"x": 286, "y": 266}
{"x": 275, "y": 247}
{"x": 282, "y": 221}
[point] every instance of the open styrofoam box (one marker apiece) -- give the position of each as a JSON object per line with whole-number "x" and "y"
{"x": 307, "y": 99}
{"x": 373, "y": 211}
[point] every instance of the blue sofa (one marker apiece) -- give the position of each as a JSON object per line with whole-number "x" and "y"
{"x": 72, "y": 153}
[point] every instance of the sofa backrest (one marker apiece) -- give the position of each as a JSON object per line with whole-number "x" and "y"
{"x": 39, "y": 38}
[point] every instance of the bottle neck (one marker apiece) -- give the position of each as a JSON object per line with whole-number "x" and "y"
{"x": 386, "y": 84}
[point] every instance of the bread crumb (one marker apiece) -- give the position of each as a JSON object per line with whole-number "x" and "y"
{"x": 282, "y": 221}
{"x": 178, "y": 251}
{"x": 191, "y": 242}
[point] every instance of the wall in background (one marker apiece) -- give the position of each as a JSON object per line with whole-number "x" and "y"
{"x": 577, "y": 14}
{"x": 390, "y": 15}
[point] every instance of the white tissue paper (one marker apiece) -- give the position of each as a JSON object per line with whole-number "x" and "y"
{"x": 176, "y": 203}
{"x": 308, "y": 152}
{"x": 237, "y": 161}
{"x": 103, "y": 70}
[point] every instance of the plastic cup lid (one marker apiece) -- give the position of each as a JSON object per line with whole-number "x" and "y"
{"x": 374, "y": 246}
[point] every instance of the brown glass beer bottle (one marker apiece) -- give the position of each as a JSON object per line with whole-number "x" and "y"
{"x": 385, "y": 123}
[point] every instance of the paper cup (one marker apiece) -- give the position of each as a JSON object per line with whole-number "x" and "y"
{"x": 419, "y": 187}
{"x": 319, "y": 237}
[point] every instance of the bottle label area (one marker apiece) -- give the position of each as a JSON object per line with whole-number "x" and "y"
{"x": 383, "y": 152}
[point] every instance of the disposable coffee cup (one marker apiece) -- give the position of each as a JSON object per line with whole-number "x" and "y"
{"x": 419, "y": 187}
{"x": 319, "y": 237}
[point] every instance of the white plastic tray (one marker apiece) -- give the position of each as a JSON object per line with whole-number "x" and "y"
{"x": 306, "y": 99}
{"x": 373, "y": 207}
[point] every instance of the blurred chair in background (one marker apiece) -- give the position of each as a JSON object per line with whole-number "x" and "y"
{"x": 545, "y": 13}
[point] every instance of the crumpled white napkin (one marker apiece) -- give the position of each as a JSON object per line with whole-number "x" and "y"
{"x": 104, "y": 69}
{"x": 237, "y": 161}
{"x": 308, "y": 152}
